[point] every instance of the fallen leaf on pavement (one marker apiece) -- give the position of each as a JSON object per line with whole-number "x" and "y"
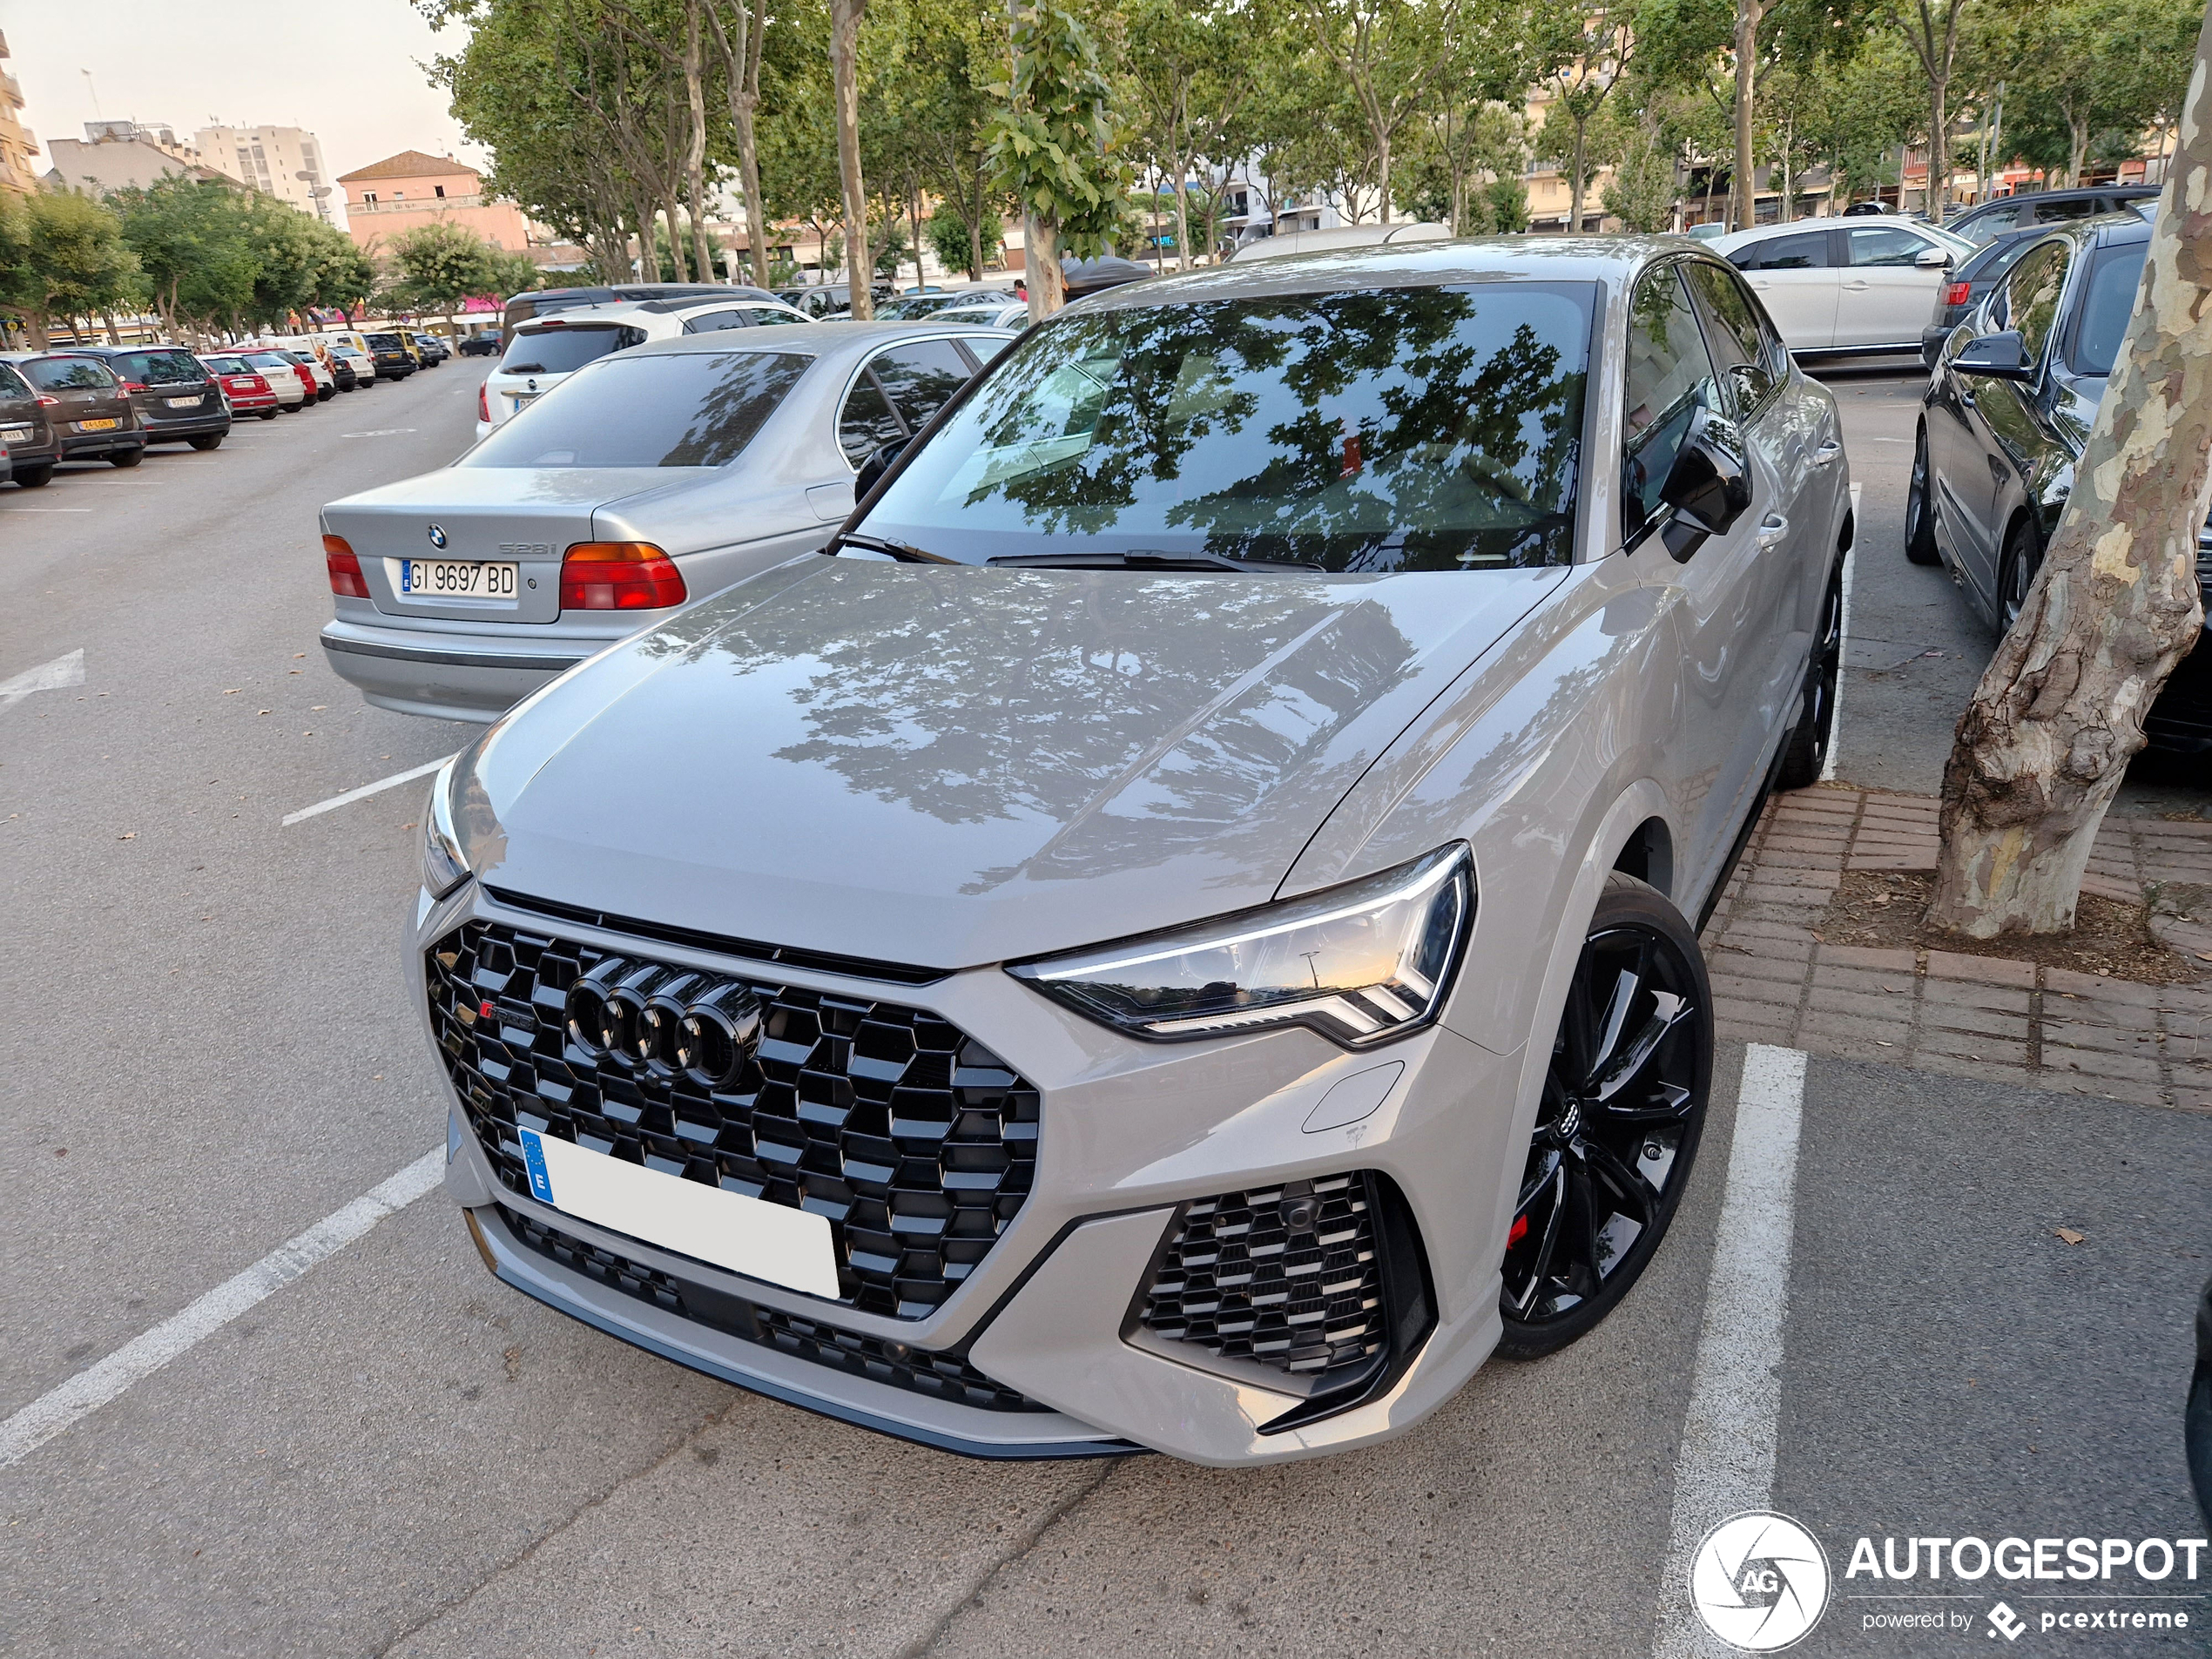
{"x": 2070, "y": 1236}
{"x": 233, "y": 691}
{"x": 128, "y": 835}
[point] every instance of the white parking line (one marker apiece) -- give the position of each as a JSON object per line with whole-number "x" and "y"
{"x": 54, "y": 1411}
{"x": 364, "y": 792}
{"x": 63, "y": 671}
{"x": 45, "y": 510}
{"x": 1842, "y": 645}
{"x": 1726, "y": 1463}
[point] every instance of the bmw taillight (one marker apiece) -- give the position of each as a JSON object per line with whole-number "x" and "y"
{"x": 345, "y": 578}
{"x": 483, "y": 405}
{"x": 1954, "y": 293}
{"x": 620, "y": 575}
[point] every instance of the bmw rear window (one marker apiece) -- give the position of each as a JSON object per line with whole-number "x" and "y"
{"x": 688, "y": 409}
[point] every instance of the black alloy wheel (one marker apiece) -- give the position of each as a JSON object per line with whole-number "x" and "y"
{"x": 1617, "y": 1129}
{"x": 1805, "y": 755}
{"x": 2023, "y": 558}
{"x": 1919, "y": 526}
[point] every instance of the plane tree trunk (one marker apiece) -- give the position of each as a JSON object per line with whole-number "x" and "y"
{"x": 2043, "y": 747}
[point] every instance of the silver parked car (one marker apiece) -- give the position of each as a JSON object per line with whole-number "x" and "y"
{"x": 649, "y": 478}
{"x": 1181, "y": 933}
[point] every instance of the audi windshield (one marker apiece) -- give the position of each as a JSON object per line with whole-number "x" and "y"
{"x": 1417, "y": 428}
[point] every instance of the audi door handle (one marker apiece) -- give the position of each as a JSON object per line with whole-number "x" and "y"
{"x": 1826, "y": 453}
{"x": 1772, "y": 529}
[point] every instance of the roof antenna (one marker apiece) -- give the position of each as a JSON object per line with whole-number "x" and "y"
{"x": 89, "y": 87}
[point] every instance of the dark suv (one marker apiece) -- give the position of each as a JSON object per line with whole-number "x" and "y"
{"x": 177, "y": 401}
{"x": 90, "y": 411}
{"x": 24, "y": 429}
{"x": 2041, "y": 209}
{"x": 393, "y": 361}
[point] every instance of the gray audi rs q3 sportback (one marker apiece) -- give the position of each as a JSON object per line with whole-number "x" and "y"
{"x": 1178, "y": 930}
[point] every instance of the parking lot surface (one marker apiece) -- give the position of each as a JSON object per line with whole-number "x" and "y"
{"x": 209, "y": 1052}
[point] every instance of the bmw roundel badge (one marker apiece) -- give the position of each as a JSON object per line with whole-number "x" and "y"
{"x": 437, "y": 536}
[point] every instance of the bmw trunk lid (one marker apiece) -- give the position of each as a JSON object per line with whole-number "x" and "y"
{"x": 526, "y": 516}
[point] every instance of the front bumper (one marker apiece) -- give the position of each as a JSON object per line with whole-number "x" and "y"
{"x": 447, "y": 676}
{"x": 1133, "y": 1135}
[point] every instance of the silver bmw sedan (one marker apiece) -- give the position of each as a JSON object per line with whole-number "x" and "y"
{"x": 649, "y": 478}
{"x": 1179, "y": 932}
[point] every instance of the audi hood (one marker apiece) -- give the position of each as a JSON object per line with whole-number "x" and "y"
{"x": 949, "y": 766}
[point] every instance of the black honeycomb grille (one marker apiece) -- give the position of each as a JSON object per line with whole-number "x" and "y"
{"x": 943, "y": 1376}
{"x": 916, "y": 1142}
{"x": 1286, "y": 1276}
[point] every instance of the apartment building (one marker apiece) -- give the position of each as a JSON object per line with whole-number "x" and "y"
{"x": 411, "y": 188}
{"x": 283, "y": 162}
{"x": 17, "y": 146}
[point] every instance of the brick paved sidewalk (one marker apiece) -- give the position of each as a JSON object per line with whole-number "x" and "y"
{"x": 1991, "y": 1017}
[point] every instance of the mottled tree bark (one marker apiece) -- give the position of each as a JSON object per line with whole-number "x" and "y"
{"x": 2041, "y": 749}
{"x": 845, "y": 84}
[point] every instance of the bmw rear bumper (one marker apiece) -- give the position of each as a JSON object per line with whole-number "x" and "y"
{"x": 446, "y": 676}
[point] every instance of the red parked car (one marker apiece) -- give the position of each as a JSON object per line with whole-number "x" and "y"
{"x": 243, "y": 387}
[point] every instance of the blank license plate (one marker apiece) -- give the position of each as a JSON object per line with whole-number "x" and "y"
{"x": 456, "y": 578}
{"x": 96, "y": 426}
{"x": 183, "y": 402}
{"x": 748, "y": 1236}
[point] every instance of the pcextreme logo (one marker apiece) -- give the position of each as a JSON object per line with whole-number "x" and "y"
{"x": 1759, "y": 1581}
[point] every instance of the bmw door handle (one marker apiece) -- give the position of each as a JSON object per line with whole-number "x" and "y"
{"x": 1772, "y": 529}
{"x": 1827, "y": 452}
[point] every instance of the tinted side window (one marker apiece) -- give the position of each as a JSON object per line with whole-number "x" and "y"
{"x": 69, "y": 375}
{"x": 1807, "y": 251}
{"x": 2031, "y": 294}
{"x": 867, "y": 420}
{"x": 1884, "y": 244}
{"x": 12, "y": 384}
{"x": 2049, "y": 212}
{"x": 1669, "y": 380}
{"x": 919, "y": 378}
{"x": 762, "y": 317}
{"x": 713, "y": 322}
{"x": 1739, "y": 344}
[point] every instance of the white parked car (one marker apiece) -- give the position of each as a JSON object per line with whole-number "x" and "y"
{"x": 1863, "y": 284}
{"x": 992, "y": 313}
{"x": 283, "y": 376}
{"x": 548, "y": 350}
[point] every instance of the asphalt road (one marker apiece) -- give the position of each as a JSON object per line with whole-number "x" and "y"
{"x": 208, "y": 1050}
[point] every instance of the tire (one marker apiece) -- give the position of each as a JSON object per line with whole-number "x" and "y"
{"x": 269, "y": 414}
{"x": 35, "y": 478}
{"x": 1804, "y": 756}
{"x": 2016, "y": 573}
{"x": 127, "y": 459}
{"x": 1565, "y": 1268}
{"x": 1920, "y": 525}
{"x": 206, "y": 440}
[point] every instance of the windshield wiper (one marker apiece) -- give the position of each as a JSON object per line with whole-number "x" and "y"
{"x": 1144, "y": 558}
{"x": 904, "y": 552}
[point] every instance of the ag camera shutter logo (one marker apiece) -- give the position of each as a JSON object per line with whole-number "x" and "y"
{"x": 1760, "y": 1582}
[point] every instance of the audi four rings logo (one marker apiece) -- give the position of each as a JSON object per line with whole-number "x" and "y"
{"x": 666, "y": 1021}
{"x": 437, "y": 536}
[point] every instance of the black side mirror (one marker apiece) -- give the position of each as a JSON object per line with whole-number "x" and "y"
{"x": 875, "y": 466}
{"x": 1708, "y": 486}
{"x": 1997, "y": 357}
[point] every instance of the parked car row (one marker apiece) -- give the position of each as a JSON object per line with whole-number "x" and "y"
{"x": 82, "y": 403}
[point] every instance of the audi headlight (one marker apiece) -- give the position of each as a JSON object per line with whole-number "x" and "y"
{"x": 445, "y": 866}
{"x": 1361, "y": 963}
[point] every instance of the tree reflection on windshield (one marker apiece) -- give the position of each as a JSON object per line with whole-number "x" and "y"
{"x": 1389, "y": 429}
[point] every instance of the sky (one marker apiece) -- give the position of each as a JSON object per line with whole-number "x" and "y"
{"x": 344, "y": 70}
